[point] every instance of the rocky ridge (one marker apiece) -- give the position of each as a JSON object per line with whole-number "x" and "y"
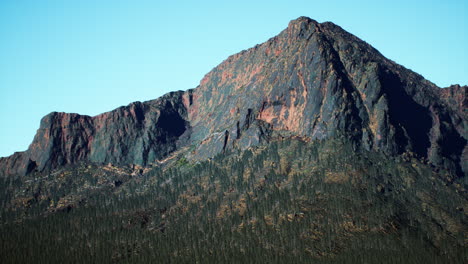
{"x": 313, "y": 80}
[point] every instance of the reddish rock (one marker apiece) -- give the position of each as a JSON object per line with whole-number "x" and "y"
{"x": 139, "y": 133}
{"x": 314, "y": 80}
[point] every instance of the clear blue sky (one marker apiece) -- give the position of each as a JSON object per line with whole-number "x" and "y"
{"x": 93, "y": 56}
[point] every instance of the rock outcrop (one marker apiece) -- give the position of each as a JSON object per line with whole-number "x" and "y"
{"x": 139, "y": 133}
{"x": 314, "y": 80}
{"x": 455, "y": 97}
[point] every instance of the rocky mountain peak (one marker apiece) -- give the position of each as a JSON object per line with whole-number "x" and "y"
{"x": 302, "y": 27}
{"x": 314, "y": 81}
{"x": 302, "y": 20}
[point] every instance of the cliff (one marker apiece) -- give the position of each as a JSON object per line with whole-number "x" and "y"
{"x": 313, "y": 80}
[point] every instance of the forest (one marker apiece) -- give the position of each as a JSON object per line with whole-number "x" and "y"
{"x": 291, "y": 201}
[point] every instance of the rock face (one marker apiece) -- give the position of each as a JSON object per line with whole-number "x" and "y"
{"x": 455, "y": 97}
{"x": 135, "y": 134}
{"x": 313, "y": 80}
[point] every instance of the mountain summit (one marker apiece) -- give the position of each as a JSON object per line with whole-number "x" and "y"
{"x": 313, "y": 80}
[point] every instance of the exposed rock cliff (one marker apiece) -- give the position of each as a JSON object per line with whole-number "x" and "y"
{"x": 313, "y": 80}
{"x": 317, "y": 80}
{"x": 139, "y": 133}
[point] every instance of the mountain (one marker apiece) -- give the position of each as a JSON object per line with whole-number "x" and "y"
{"x": 312, "y": 80}
{"x": 350, "y": 145}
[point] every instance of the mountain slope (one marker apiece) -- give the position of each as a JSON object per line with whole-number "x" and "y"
{"x": 316, "y": 80}
{"x": 289, "y": 201}
{"x": 312, "y": 80}
{"x": 310, "y": 147}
